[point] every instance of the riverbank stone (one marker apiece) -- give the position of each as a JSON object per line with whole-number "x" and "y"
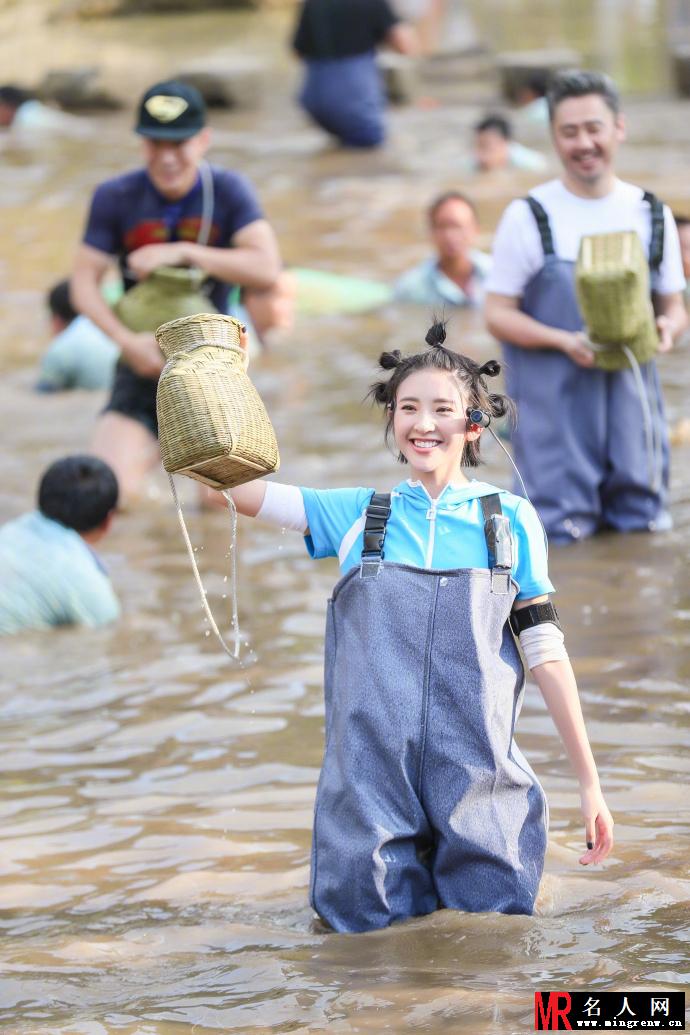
{"x": 77, "y": 89}
{"x": 121, "y": 8}
{"x": 233, "y": 82}
{"x": 680, "y": 57}
{"x": 400, "y": 77}
{"x": 516, "y": 66}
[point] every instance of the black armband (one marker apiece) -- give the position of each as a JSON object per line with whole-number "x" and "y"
{"x": 533, "y": 614}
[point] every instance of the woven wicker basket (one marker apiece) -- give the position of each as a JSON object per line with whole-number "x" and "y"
{"x": 170, "y": 292}
{"x": 612, "y": 281}
{"x": 212, "y": 424}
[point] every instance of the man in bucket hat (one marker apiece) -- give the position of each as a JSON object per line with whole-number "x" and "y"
{"x": 175, "y": 211}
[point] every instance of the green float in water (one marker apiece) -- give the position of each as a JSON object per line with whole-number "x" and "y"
{"x": 321, "y": 293}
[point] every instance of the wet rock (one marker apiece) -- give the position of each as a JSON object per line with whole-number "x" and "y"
{"x": 516, "y": 67}
{"x": 233, "y": 82}
{"x": 77, "y": 89}
{"x": 119, "y": 8}
{"x": 400, "y": 77}
{"x": 681, "y": 69}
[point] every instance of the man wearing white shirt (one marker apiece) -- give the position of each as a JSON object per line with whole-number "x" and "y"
{"x": 583, "y": 436}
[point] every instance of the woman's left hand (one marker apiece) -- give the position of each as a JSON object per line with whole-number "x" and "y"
{"x": 598, "y": 825}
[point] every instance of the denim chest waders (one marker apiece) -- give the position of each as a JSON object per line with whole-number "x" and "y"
{"x": 591, "y": 445}
{"x": 424, "y": 799}
{"x": 346, "y": 97}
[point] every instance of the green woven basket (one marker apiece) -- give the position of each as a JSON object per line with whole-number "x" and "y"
{"x": 166, "y": 294}
{"x": 212, "y": 424}
{"x": 612, "y": 282}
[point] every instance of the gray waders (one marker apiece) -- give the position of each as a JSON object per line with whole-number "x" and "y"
{"x": 592, "y": 445}
{"x": 424, "y": 799}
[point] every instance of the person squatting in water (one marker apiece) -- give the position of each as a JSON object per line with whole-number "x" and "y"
{"x": 425, "y": 800}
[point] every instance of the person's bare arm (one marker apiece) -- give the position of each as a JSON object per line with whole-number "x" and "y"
{"x": 428, "y": 26}
{"x": 253, "y": 261}
{"x": 140, "y": 351}
{"x": 671, "y": 320}
{"x": 506, "y": 322}
{"x": 556, "y": 681}
{"x": 249, "y": 497}
{"x": 404, "y": 39}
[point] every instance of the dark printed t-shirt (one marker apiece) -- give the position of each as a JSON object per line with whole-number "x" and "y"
{"x": 342, "y": 28}
{"x": 128, "y": 212}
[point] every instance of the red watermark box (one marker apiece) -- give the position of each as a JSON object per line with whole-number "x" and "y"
{"x": 609, "y": 1011}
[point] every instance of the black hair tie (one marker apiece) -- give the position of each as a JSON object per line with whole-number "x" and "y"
{"x": 492, "y": 368}
{"x": 436, "y": 335}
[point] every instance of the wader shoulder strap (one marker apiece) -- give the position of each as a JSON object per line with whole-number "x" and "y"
{"x": 499, "y": 543}
{"x": 656, "y": 244}
{"x": 543, "y": 225}
{"x": 376, "y": 519}
{"x": 207, "y": 203}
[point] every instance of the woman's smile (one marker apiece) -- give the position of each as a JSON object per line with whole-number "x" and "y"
{"x": 423, "y": 445}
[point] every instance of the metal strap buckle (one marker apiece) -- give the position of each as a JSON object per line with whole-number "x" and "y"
{"x": 370, "y": 565}
{"x": 500, "y": 581}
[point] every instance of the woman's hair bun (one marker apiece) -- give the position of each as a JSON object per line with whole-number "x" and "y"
{"x": 390, "y": 360}
{"x": 436, "y": 335}
{"x": 492, "y": 368}
{"x": 499, "y": 405}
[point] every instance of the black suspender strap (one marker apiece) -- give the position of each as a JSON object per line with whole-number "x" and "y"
{"x": 543, "y": 225}
{"x": 656, "y": 244}
{"x": 491, "y": 505}
{"x": 499, "y": 543}
{"x": 376, "y": 519}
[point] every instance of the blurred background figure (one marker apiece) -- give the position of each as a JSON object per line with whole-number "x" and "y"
{"x": 342, "y": 89}
{"x": 80, "y": 355}
{"x": 49, "y": 573}
{"x": 531, "y": 99}
{"x": 683, "y": 225}
{"x": 455, "y": 273}
{"x": 25, "y": 116}
{"x": 591, "y": 444}
{"x": 494, "y": 148}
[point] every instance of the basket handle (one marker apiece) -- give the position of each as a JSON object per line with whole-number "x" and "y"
{"x": 235, "y": 652}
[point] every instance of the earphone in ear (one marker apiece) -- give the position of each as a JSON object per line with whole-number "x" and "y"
{"x": 478, "y": 417}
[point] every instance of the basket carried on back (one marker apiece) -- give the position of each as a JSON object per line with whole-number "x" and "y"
{"x": 613, "y": 290}
{"x": 212, "y": 424}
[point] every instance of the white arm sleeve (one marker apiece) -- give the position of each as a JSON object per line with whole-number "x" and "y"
{"x": 542, "y": 643}
{"x": 283, "y": 505}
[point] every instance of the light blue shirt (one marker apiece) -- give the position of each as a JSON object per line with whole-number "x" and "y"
{"x": 427, "y": 284}
{"x": 50, "y": 576}
{"x": 34, "y": 118}
{"x": 80, "y": 356}
{"x": 442, "y": 534}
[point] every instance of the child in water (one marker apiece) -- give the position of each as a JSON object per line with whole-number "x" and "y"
{"x": 424, "y": 800}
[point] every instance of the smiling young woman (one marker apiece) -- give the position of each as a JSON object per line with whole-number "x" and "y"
{"x": 425, "y": 801}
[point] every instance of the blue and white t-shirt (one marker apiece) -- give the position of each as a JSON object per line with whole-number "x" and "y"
{"x": 80, "y": 356}
{"x": 440, "y": 534}
{"x": 50, "y": 576}
{"x": 427, "y": 284}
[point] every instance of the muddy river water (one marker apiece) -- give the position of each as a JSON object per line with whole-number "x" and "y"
{"x": 156, "y": 800}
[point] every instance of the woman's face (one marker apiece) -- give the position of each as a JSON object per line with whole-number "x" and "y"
{"x": 430, "y": 424}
